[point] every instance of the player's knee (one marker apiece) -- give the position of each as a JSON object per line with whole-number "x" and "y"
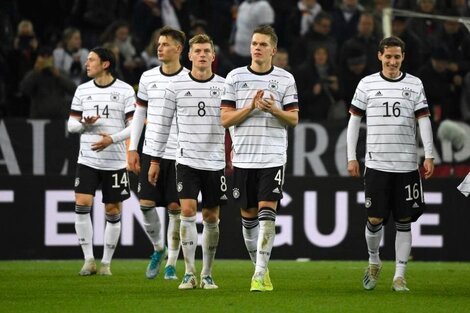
{"x": 112, "y": 208}
{"x": 375, "y": 220}
{"x": 83, "y": 199}
{"x": 147, "y": 203}
{"x": 249, "y": 213}
{"x": 210, "y": 215}
{"x": 174, "y": 208}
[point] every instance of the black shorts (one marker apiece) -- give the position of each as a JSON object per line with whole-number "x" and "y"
{"x": 254, "y": 185}
{"x": 114, "y": 184}
{"x": 398, "y": 193}
{"x": 164, "y": 192}
{"x": 211, "y": 184}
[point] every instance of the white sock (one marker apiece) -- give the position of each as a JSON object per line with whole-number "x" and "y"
{"x": 111, "y": 237}
{"x": 84, "y": 230}
{"x": 373, "y": 234}
{"x": 402, "y": 249}
{"x": 210, "y": 241}
{"x": 188, "y": 234}
{"x": 152, "y": 226}
{"x": 173, "y": 238}
{"x": 267, "y": 232}
{"x": 250, "y": 231}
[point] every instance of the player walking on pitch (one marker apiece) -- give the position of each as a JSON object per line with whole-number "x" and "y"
{"x": 394, "y": 102}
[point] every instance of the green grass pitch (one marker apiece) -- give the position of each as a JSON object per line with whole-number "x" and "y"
{"x": 315, "y": 286}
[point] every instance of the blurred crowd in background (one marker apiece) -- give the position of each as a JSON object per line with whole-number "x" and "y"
{"x": 327, "y": 45}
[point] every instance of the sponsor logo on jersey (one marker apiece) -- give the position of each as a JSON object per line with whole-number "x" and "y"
{"x": 276, "y": 190}
{"x": 188, "y": 94}
{"x": 124, "y": 192}
{"x": 245, "y": 85}
{"x": 89, "y": 98}
{"x": 154, "y": 86}
{"x": 378, "y": 94}
{"x": 224, "y": 197}
{"x": 415, "y": 205}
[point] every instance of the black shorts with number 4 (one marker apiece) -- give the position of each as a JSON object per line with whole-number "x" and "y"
{"x": 211, "y": 184}
{"x": 398, "y": 193}
{"x": 164, "y": 192}
{"x": 114, "y": 183}
{"x": 252, "y": 185}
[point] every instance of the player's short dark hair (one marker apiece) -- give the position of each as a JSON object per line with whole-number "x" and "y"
{"x": 201, "y": 38}
{"x": 267, "y": 30}
{"x": 392, "y": 41}
{"x": 106, "y": 55}
{"x": 175, "y": 34}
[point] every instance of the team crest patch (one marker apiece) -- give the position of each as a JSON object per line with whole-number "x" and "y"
{"x": 236, "y": 193}
{"x": 406, "y": 93}
{"x": 215, "y": 92}
{"x": 368, "y": 202}
{"x": 114, "y": 96}
{"x": 179, "y": 186}
{"x": 77, "y": 181}
{"x": 273, "y": 85}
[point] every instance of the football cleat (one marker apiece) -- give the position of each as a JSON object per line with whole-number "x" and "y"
{"x": 155, "y": 261}
{"x": 371, "y": 276}
{"x": 208, "y": 283}
{"x": 89, "y": 268}
{"x": 105, "y": 269}
{"x": 258, "y": 282}
{"x": 189, "y": 282}
{"x": 399, "y": 284}
{"x": 170, "y": 272}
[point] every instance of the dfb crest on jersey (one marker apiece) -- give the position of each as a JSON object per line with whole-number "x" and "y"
{"x": 215, "y": 92}
{"x": 179, "y": 186}
{"x": 236, "y": 193}
{"x": 406, "y": 93}
{"x": 368, "y": 202}
{"x": 77, "y": 181}
{"x": 114, "y": 96}
{"x": 273, "y": 84}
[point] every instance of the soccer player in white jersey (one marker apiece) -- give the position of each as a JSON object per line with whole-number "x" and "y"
{"x": 101, "y": 112}
{"x": 195, "y": 101}
{"x": 152, "y": 85}
{"x": 260, "y": 102}
{"x": 394, "y": 103}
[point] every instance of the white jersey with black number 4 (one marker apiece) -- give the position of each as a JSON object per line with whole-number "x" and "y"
{"x": 260, "y": 141}
{"x": 113, "y": 103}
{"x": 196, "y": 106}
{"x": 391, "y": 108}
{"x": 152, "y": 88}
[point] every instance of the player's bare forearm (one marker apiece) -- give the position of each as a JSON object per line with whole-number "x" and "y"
{"x": 230, "y": 116}
{"x": 289, "y": 118}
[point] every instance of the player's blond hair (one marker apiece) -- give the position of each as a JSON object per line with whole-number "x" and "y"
{"x": 201, "y": 38}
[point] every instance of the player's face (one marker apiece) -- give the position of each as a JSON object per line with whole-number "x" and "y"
{"x": 391, "y": 59}
{"x": 168, "y": 49}
{"x": 201, "y": 55}
{"x": 262, "y": 49}
{"x": 94, "y": 66}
